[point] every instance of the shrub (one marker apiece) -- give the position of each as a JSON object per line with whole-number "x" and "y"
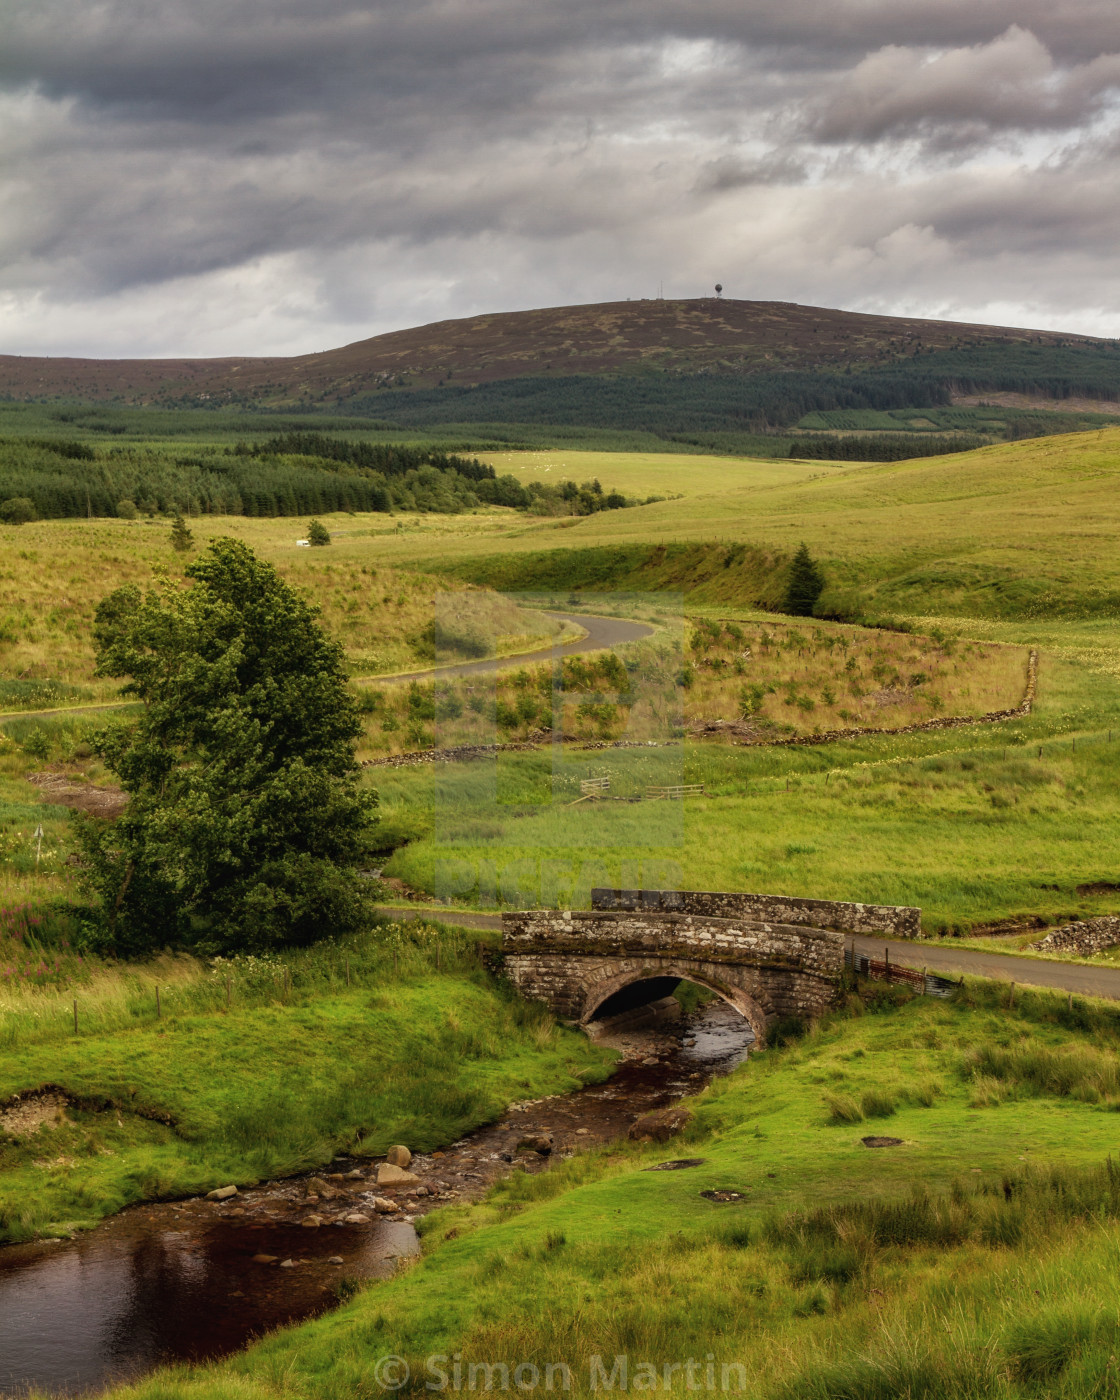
{"x": 18, "y": 510}
{"x": 126, "y": 510}
{"x": 318, "y": 534}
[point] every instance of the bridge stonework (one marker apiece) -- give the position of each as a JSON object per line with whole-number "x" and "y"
{"x": 575, "y": 961}
{"x": 895, "y": 921}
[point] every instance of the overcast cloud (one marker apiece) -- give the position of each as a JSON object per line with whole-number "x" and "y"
{"x": 277, "y": 176}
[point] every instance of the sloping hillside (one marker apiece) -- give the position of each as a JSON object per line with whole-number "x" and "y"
{"x": 701, "y": 336}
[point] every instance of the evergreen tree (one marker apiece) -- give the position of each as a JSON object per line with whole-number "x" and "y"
{"x": 181, "y": 537}
{"x": 317, "y": 533}
{"x": 245, "y": 822}
{"x": 805, "y": 585}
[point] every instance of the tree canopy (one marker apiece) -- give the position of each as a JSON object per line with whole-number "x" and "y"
{"x": 245, "y": 822}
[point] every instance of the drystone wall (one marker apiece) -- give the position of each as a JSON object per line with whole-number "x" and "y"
{"x": 1082, "y": 938}
{"x": 896, "y": 921}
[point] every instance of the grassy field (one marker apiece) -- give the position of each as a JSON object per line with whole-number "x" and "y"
{"x": 256, "y": 1066}
{"x": 976, "y": 1259}
{"x": 54, "y": 573}
{"x": 1018, "y": 531}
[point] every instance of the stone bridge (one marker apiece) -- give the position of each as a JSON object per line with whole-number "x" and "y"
{"x": 766, "y": 955}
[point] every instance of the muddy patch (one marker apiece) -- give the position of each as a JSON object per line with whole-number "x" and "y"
{"x": 881, "y": 1142}
{"x": 24, "y": 1114}
{"x": 72, "y": 790}
{"x": 724, "y": 1197}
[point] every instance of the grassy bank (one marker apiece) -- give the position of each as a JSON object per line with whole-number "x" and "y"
{"x": 262, "y": 1066}
{"x": 975, "y": 1259}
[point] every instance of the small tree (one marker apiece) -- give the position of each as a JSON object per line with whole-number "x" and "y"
{"x": 245, "y": 823}
{"x": 126, "y": 509}
{"x": 318, "y": 534}
{"x": 18, "y": 510}
{"x": 805, "y": 585}
{"x": 181, "y": 537}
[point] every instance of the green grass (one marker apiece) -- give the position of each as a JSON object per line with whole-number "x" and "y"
{"x": 972, "y": 825}
{"x": 1017, "y": 531}
{"x": 399, "y": 1036}
{"x": 976, "y": 1260}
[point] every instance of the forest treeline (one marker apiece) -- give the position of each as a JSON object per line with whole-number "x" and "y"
{"x": 881, "y": 447}
{"x": 295, "y": 474}
{"x": 673, "y": 403}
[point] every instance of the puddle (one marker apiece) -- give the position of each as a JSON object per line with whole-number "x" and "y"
{"x": 178, "y": 1281}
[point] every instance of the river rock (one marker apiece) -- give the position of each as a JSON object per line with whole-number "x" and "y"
{"x": 536, "y": 1142}
{"x": 288, "y": 1264}
{"x": 357, "y": 1218}
{"x": 355, "y": 1175}
{"x": 264, "y": 1258}
{"x": 311, "y": 1222}
{"x": 223, "y": 1193}
{"x": 398, "y": 1156}
{"x": 382, "y": 1205}
{"x": 660, "y": 1125}
{"x": 336, "y": 1259}
{"x": 389, "y": 1175}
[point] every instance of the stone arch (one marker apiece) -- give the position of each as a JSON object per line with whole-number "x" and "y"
{"x": 703, "y": 974}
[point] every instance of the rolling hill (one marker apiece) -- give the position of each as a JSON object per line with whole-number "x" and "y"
{"x": 702, "y": 337}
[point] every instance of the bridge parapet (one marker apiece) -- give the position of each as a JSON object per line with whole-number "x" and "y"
{"x": 895, "y": 921}
{"x": 603, "y": 933}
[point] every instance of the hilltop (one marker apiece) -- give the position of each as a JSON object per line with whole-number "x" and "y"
{"x": 704, "y": 336}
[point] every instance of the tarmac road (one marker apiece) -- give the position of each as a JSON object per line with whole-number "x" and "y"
{"x": 602, "y": 632}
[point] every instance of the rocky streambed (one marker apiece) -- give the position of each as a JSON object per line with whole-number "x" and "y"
{"x": 197, "y": 1279}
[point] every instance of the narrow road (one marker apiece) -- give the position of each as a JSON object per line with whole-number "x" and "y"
{"x": 1004, "y": 967}
{"x": 935, "y": 957}
{"x": 602, "y": 632}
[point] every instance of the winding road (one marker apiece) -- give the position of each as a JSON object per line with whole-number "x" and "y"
{"x": 600, "y": 633}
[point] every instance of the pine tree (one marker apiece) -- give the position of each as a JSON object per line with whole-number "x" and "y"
{"x": 181, "y": 537}
{"x": 805, "y": 585}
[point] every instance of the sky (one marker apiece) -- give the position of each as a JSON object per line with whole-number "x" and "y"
{"x": 255, "y": 177}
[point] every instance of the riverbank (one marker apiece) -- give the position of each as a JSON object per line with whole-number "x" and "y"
{"x": 262, "y": 1068}
{"x": 950, "y": 1261}
{"x": 218, "y": 1274}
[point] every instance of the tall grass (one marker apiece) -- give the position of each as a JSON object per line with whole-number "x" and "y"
{"x": 114, "y": 996}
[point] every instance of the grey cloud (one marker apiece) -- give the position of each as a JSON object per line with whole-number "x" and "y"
{"x": 1011, "y": 82}
{"x": 404, "y": 160}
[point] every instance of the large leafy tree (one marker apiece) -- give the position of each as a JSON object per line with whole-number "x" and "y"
{"x": 245, "y": 821}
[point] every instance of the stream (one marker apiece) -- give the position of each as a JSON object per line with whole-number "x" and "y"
{"x": 196, "y": 1279}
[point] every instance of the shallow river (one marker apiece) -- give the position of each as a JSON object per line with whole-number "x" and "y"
{"x": 193, "y": 1280}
